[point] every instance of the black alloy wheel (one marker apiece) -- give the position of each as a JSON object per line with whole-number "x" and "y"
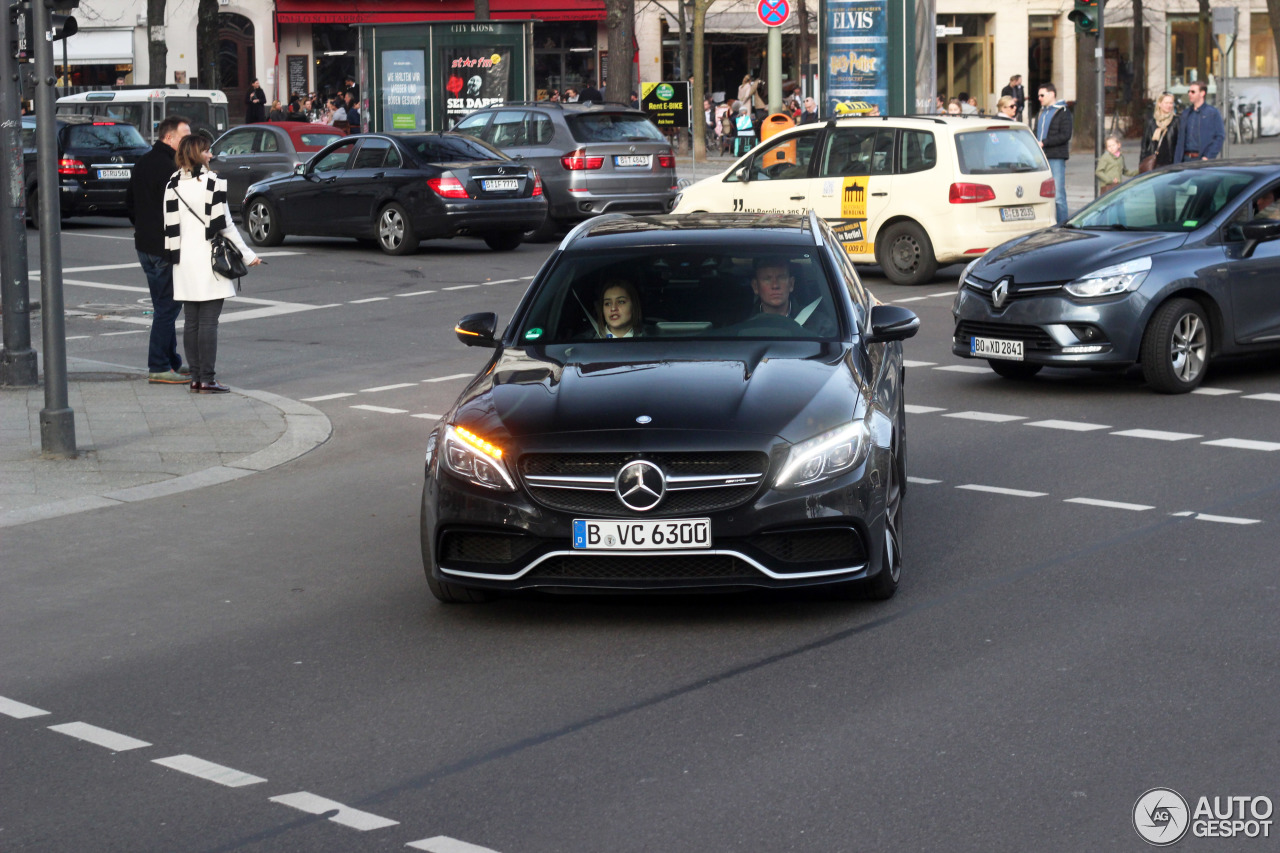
{"x": 905, "y": 253}
{"x": 263, "y": 223}
{"x": 1176, "y": 347}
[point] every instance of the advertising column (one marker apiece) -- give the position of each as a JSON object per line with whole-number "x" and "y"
{"x": 855, "y": 48}
{"x": 403, "y": 91}
{"x": 474, "y": 78}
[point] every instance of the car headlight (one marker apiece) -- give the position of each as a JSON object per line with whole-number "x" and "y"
{"x": 824, "y": 456}
{"x": 475, "y": 460}
{"x": 1112, "y": 280}
{"x": 964, "y": 276}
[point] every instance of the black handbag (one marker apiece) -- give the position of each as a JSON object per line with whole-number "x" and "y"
{"x": 224, "y": 256}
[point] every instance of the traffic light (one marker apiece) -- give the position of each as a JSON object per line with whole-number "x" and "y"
{"x": 61, "y": 26}
{"x": 20, "y": 31}
{"x": 1085, "y": 16}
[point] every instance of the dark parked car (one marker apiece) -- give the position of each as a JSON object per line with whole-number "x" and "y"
{"x": 1170, "y": 270}
{"x": 647, "y": 422}
{"x": 593, "y": 159}
{"x": 253, "y": 152}
{"x": 95, "y": 162}
{"x": 397, "y": 190}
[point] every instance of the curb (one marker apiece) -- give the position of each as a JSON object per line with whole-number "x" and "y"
{"x": 306, "y": 428}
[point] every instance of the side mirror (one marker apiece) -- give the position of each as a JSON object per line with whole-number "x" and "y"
{"x": 892, "y": 323}
{"x": 1258, "y": 231}
{"x": 300, "y": 169}
{"x": 478, "y": 330}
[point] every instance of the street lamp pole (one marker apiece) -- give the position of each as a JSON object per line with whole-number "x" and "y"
{"x": 17, "y": 358}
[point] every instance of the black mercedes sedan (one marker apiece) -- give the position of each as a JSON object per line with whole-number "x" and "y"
{"x": 1169, "y": 271}
{"x": 680, "y": 403}
{"x": 398, "y": 190}
{"x": 95, "y": 162}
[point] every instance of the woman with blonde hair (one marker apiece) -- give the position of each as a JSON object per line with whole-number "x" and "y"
{"x": 195, "y": 209}
{"x": 1007, "y": 107}
{"x": 1160, "y": 134}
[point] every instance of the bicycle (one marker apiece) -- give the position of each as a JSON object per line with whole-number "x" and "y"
{"x": 1240, "y": 121}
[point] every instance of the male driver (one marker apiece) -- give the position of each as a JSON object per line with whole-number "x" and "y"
{"x": 145, "y": 198}
{"x": 774, "y": 284}
{"x": 1053, "y": 129}
{"x": 1200, "y": 129}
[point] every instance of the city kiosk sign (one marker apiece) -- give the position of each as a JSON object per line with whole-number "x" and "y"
{"x": 427, "y": 76}
{"x": 666, "y": 104}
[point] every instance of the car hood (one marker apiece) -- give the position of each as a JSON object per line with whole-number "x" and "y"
{"x": 1062, "y": 254}
{"x": 792, "y": 390}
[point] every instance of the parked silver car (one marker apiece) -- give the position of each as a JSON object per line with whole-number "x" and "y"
{"x": 254, "y": 152}
{"x": 593, "y": 159}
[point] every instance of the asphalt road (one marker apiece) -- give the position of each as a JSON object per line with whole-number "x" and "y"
{"x": 1087, "y": 612}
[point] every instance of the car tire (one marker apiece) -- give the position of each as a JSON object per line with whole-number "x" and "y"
{"x": 33, "y": 209}
{"x": 546, "y": 232}
{"x": 451, "y": 593}
{"x": 1014, "y": 369}
{"x": 885, "y": 583}
{"x": 1176, "y": 347}
{"x": 503, "y": 241}
{"x": 395, "y": 232}
{"x": 262, "y": 222}
{"x": 905, "y": 253}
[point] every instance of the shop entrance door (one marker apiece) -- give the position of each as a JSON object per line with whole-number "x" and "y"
{"x": 962, "y": 67}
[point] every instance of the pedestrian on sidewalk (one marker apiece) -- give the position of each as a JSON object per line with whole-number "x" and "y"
{"x": 1201, "y": 132}
{"x": 195, "y": 209}
{"x": 145, "y": 200}
{"x": 1112, "y": 169}
{"x": 1159, "y": 135}
{"x": 809, "y": 115}
{"x": 1053, "y": 129}
{"x": 1016, "y": 91}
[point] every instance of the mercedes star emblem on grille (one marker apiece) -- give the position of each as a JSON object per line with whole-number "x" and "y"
{"x": 640, "y": 485}
{"x": 999, "y": 293}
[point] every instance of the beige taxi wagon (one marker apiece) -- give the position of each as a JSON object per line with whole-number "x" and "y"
{"x": 907, "y": 193}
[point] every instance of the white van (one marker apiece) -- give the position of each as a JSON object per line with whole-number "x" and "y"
{"x": 145, "y": 107}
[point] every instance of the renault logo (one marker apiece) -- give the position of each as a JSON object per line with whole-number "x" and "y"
{"x": 1000, "y": 292}
{"x": 640, "y": 485}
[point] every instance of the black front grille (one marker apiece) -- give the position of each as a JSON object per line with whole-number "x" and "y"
{"x": 1034, "y": 337}
{"x": 676, "y": 567}
{"x": 482, "y": 547}
{"x": 674, "y": 503}
{"x": 807, "y": 546}
{"x": 1012, "y": 295}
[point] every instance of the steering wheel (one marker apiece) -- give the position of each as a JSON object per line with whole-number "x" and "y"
{"x": 770, "y": 324}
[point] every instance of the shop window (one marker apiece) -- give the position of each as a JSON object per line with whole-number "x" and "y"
{"x": 1262, "y": 46}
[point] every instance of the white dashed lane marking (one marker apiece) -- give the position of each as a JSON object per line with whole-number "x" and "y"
{"x": 997, "y": 490}
{"x": 1070, "y": 426}
{"x": 370, "y": 299}
{"x": 909, "y": 363}
{"x": 1221, "y": 519}
{"x": 324, "y": 397}
{"x": 923, "y": 481}
{"x": 208, "y": 771}
{"x": 461, "y": 286}
{"x": 921, "y": 410}
{"x": 450, "y": 377}
{"x": 381, "y": 410}
{"x": 988, "y": 417}
{"x": 964, "y": 368}
{"x": 19, "y": 710}
{"x": 113, "y": 741}
{"x": 428, "y": 416}
{"x": 445, "y": 844}
{"x": 416, "y": 293}
{"x": 1214, "y": 392}
{"x": 1156, "y": 434}
{"x": 1243, "y": 444}
{"x": 1270, "y": 398}
{"x": 1108, "y": 504}
{"x": 389, "y": 387}
{"x": 347, "y": 816}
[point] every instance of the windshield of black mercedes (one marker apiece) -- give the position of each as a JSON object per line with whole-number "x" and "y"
{"x": 697, "y": 293}
{"x": 1176, "y": 201}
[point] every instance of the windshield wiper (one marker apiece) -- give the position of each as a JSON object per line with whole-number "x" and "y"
{"x": 1114, "y": 226}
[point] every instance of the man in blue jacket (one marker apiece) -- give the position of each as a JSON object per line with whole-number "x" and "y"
{"x": 1201, "y": 132}
{"x": 1053, "y": 129}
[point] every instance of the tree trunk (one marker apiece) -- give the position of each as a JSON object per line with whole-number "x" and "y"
{"x": 620, "y": 19}
{"x": 157, "y": 50}
{"x": 207, "y": 76}
{"x": 482, "y": 10}
{"x": 700, "y": 74}
{"x": 802, "y": 49}
{"x": 1206, "y": 41}
{"x": 1085, "y": 112}
{"x": 1138, "y": 86}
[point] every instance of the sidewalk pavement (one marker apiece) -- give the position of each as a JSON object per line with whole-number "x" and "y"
{"x": 138, "y": 441}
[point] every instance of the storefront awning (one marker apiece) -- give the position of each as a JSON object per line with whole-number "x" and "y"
{"x": 410, "y": 11}
{"x": 742, "y": 23}
{"x": 97, "y": 47}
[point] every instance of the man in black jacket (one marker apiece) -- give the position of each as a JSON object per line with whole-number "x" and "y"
{"x": 145, "y": 198}
{"x": 1053, "y": 129}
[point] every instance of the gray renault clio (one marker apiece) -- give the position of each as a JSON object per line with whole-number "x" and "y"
{"x": 1169, "y": 271}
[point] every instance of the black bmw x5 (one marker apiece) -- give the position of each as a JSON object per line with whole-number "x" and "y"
{"x": 679, "y": 403}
